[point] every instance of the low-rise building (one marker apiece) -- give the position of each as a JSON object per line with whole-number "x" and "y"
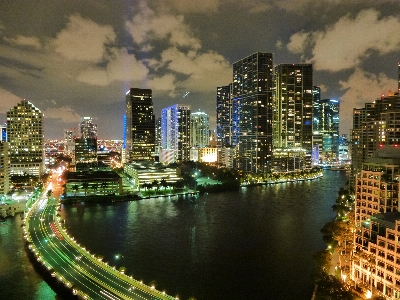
{"x": 148, "y": 172}
{"x": 92, "y": 183}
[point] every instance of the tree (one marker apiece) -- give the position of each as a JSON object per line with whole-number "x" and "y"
{"x": 164, "y": 184}
{"x": 322, "y": 263}
{"x": 75, "y": 187}
{"x": 155, "y": 184}
{"x": 95, "y": 186}
{"x": 331, "y": 288}
{"x": 85, "y": 186}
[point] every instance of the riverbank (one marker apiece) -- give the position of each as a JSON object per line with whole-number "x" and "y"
{"x": 121, "y": 198}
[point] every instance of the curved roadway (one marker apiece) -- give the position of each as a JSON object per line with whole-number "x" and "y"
{"x": 88, "y": 277}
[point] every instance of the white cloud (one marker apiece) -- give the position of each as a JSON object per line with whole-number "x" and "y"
{"x": 29, "y": 41}
{"x": 163, "y": 83}
{"x": 361, "y": 87}
{"x": 120, "y": 66}
{"x": 349, "y": 41}
{"x": 83, "y": 39}
{"x": 205, "y": 71}
{"x": 147, "y": 27}
{"x": 8, "y": 100}
{"x": 63, "y": 114}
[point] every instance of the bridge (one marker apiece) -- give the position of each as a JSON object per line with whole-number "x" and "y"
{"x": 86, "y": 275}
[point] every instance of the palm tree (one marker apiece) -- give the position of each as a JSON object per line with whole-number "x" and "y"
{"x": 146, "y": 186}
{"x": 75, "y": 187}
{"x": 95, "y": 186}
{"x": 155, "y": 184}
{"x": 85, "y": 186}
{"x": 164, "y": 184}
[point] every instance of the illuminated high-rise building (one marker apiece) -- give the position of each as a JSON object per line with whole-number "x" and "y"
{"x": 293, "y": 117}
{"x": 224, "y": 116}
{"x": 374, "y": 126}
{"x": 3, "y": 133}
{"x": 199, "y": 130}
{"x": 326, "y": 130}
{"x": 140, "y": 125}
{"x": 293, "y": 123}
{"x": 252, "y": 108}
{"x": 158, "y": 137}
{"x": 69, "y": 140}
{"x": 87, "y": 128}
{"x": 175, "y": 133}
{"x": 4, "y": 168}
{"x": 26, "y": 139}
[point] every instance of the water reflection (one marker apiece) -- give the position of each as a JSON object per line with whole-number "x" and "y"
{"x": 253, "y": 244}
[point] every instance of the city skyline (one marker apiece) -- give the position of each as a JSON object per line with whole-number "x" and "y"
{"x": 79, "y": 59}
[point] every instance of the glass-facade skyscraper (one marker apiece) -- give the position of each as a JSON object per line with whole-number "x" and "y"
{"x": 224, "y": 116}
{"x": 88, "y": 129}
{"x": 293, "y": 123}
{"x": 140, "y": 125}
{"x": 252, "y": 106}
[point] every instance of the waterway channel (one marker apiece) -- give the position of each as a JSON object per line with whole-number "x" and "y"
{"x": 253, "y": 244}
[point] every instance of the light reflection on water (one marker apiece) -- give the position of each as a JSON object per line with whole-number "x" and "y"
{"x": 256, "y": 243}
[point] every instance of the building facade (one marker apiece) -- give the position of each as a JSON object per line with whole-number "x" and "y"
{"x": 252, "y": 109}
{"x": 87, "y": 128}
{"x": 140, "y": 125}
{"x": 26, "y": 139}
{"x": 374, "y": 126}
{"x": 224, "y": 116}
{"x": 175, "y": 133}
{"x": 199, "y": 130}
{"x": 293, "y": 116}
{"x": 4, "y": 169}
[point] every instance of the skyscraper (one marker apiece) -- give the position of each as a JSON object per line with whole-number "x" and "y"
{"x": 69, "y": 140}
{"x": 4, "y": 168}
{"x": 224, "y": 116}
{"x": 26, "y": 139}
{"x": 199, "y": 129}
{"x": 175, "y": 133}
{"x": 293, "y": 121}
{"x": 252, "y": 100}
{"x": 140, "y": 125}
{"x": 293, "y": 112}
{"x": 326, "y": 129}
{"x": 374, "y": 126}
{"x": 3, "y": 133}
{"x": 87, "y": 128}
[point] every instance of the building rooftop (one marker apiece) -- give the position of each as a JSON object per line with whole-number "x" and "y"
{"x": 91, "y": 175}
{"x": 387, "y": 219}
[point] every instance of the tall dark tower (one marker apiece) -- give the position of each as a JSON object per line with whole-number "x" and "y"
{"x": 252, "y": 99}
{"x": 293, "y": 122}
{"x": 140, "y": 125}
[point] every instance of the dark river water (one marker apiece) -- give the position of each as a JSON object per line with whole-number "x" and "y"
{"x": 257, "y": 243}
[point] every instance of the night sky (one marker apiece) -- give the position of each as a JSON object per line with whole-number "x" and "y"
{"x": 75, "y": 58}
